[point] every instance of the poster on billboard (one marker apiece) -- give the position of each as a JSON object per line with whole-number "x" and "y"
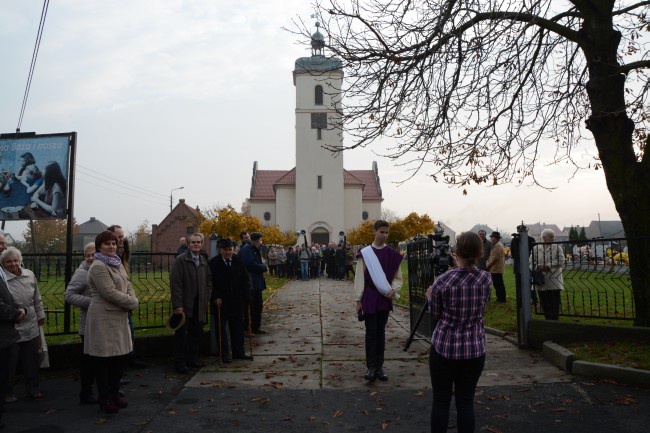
{"x": 34, "y": 173}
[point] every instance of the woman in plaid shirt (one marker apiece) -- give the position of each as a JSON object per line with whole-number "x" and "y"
{"x": 457, "y": 300}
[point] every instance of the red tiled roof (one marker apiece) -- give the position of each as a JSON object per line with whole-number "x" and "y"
{"x": 367, "y": 177}
{"x": 266, "y": 180}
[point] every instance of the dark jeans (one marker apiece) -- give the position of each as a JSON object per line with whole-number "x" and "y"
{"x": 186, "y": 341}
{"x": 257, "y": 304}
{"x": 550, "y": 302}
{"x": 461, "y": 377}
{"x": 86, "y": 372}
{"x": 28, "y": 351}
{"x": 108, "y": 372}
{"x": 499, "y": 287}
{"x": 376, "y": 338}
{"x": 235, "y": 324}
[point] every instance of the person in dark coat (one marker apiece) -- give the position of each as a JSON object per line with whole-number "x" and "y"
{"x": 230, "y": 296}
{"x": 252, "y": 258}
{"x": 10, "y": 314}
{"x": 190, "y": 282}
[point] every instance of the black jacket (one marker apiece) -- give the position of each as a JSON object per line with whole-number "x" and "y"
{"x": 230, "y": 284}
{"x": 8, "y": 315}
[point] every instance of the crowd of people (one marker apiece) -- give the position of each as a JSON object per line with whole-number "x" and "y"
{"x": 229, "y": 288}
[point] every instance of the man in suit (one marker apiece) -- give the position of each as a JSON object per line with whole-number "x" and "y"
{"x": 230, "y": 295}
{"x": 251, "y": 256}
{"x": 191, "y": 284}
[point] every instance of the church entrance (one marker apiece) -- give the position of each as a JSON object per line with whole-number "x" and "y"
{"x": 320, "y": 235}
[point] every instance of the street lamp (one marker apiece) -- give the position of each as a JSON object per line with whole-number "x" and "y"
{"x": 171, "y": 196}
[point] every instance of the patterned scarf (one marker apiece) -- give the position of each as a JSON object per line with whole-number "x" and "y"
{"x": 109, "y": 260}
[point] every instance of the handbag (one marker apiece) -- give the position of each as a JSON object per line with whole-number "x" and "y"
{"x": 42, "y": 350}
{"x": 537, "y": 278}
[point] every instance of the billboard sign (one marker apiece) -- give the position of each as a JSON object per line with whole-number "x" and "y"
{"x": 34, "y": 176}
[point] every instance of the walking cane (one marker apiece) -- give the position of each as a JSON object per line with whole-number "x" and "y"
{"x": 219, "y": 333}
{"x": 250, "y": 332}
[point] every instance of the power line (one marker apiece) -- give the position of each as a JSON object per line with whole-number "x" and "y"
{"x": 148, "y": 196}
{"x": 32, "y": 66}
{"x": 120, "y": 192}
{"x": 127, "y": 185}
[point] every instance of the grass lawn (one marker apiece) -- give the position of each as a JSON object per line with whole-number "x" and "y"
{"x": 504, "y": 317}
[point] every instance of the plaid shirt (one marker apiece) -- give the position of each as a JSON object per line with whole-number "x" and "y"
{"x": 458, "y": 300}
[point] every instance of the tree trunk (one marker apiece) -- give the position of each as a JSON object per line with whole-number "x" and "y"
{"x": 628, "y": 179}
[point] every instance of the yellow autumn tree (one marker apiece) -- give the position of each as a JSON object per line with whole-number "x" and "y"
{"x": 415, "y": 224}
{"x": 226, "y": 222}
{"x": 362, "y": 234}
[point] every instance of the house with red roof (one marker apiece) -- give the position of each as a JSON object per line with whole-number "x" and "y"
{"x": 318, "y": 195}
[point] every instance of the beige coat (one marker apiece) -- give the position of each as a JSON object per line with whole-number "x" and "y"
{"x": 24, "y": 289}
{"x": 550, "y": 255}
{"x": 496, "y": 263}
{"x": 107, "y": 326}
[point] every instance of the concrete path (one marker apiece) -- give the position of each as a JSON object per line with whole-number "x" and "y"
{"x": 315, "y": 341}
{"x": 307, "y": 378}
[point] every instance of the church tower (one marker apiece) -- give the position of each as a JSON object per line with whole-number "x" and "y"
{"x": 320, "y": 207}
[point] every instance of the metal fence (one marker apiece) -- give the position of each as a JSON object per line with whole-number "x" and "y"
{"x": 420, "y": 276}
{"x": 149, "y": 277}
{"x": 595, "y": 278}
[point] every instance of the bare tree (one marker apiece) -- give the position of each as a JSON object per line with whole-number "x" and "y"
{"x": 486, "y": 91}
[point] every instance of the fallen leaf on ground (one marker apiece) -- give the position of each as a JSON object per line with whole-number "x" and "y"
{"x": 260, "y": 400}
{"x": 337, "y": 414}
{"x": 101, "y": 421}
{"x": 384, "y": 424}
{"x": 145, "y": 422}
{"x": 626, "y": 400}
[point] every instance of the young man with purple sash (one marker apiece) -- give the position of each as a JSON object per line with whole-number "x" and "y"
{"x": 378, "y": 278}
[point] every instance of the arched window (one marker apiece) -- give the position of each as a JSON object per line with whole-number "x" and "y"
{"x": 267, "y": 216}
{"x": 364, "y": 215}
{"x": 318, "y": 95}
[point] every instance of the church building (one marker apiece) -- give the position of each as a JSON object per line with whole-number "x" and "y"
{"x": 318, "y": 195}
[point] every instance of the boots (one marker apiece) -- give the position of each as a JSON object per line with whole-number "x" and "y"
{"x": 108, "y": 406}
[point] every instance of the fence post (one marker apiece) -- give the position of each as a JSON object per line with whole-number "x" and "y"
{"x": 524, "y": 314}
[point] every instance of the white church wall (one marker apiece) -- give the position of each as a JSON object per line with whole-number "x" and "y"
{"x": 286, "y": 208}
{"x": 353, "y": 207}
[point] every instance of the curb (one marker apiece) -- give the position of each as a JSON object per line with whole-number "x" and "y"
{"x": 567, "y": 361}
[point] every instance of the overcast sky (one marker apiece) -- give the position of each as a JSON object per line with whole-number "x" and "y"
{"x": 166, "y": 93}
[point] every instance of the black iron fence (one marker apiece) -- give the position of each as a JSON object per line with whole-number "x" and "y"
{"x": 593, "y": 276}
{"x": 149, "y": 277}
{"x": 420, "y": 276}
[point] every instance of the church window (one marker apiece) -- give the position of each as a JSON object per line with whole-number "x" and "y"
{"x": 267, "y": 216}
{"x": 320, "y": 182}
{"x": 319, "y": 134}
{"x": 364, "y": 215}
{"x": 318, "y": 95}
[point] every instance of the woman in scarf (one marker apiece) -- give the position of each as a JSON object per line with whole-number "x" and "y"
{"x": 108, "y": 338}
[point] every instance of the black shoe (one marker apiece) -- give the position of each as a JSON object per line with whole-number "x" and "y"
{"x": 138, "y": 365}
{"x": 124, "y": 381}
{"x": 370, "y": 375}
{"x": 88, "y": 399}
{"x": 259, "y": 331}
{"x": 195, "y": 364}
{"x": 379, "y": 374}
{"x": 182, "y": 369}
{"x": 226, "y": 360}
{"x": 246, "y": 357}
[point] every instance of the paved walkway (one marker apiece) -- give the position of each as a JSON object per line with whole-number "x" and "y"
{"x": 316, "y": 342}
{"x": 306, "y": 376}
